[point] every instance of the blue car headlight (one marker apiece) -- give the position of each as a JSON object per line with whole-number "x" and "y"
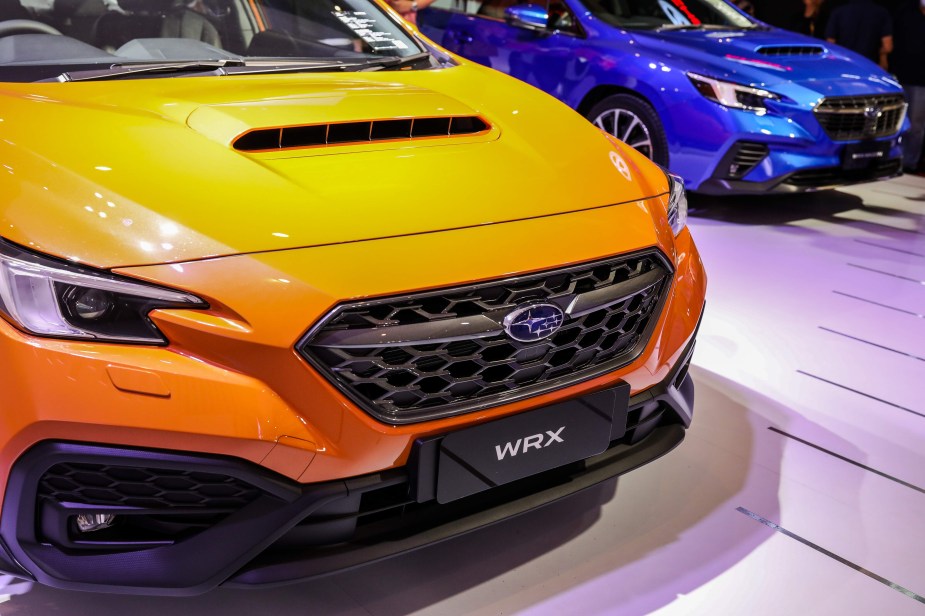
{"x": 734, "y": 95}
{"x": 677, "y": 203}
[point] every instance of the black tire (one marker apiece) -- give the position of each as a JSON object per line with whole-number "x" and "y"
{"x": 633, "y": 121}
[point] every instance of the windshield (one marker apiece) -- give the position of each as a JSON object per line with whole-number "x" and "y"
{"x": 669, "y": 14}
{"x": 99, "y": 39}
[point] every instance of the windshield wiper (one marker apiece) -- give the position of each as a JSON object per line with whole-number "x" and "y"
{"x": 394, "y": 63}
{"x": 238, "y": 67}
{"x": 118, "y": 71}
{"x": 675, "y": 27}
{"x": 667, "y": 27}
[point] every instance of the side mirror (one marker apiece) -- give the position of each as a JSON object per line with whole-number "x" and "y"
{"x": 528, "y": 16}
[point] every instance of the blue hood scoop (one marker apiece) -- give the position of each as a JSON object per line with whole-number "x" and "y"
{"x": 790, "y": 50}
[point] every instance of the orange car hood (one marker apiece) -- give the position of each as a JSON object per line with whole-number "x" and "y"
{"x": 121, "y": 173}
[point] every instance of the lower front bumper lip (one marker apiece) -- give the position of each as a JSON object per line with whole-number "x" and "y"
{"x": 615, "y": 461}
{"x": 802, "y": 180}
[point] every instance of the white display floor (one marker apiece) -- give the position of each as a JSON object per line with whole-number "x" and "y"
{"x": 810, "y": 415}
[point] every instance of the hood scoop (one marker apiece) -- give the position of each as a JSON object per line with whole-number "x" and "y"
{"x": 358, "y": 132}
{"x": 791, "y": 50}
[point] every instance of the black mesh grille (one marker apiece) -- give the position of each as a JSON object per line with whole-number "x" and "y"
{"x": 847, "y": 118}
{"x": 440, "y": 366}
{"x": 147, "y": 488}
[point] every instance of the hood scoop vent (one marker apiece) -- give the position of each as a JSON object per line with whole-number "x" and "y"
{"x": 791, "y": 50}
{"x": 352, "y": 133}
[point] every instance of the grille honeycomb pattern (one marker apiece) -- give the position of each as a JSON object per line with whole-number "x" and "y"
{"x": 400, "y": 383}
{"x": 847, "y": 118}
{"x": 147, "y": 488}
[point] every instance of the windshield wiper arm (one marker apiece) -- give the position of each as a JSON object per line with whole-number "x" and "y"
{"x": 679, "y": 27}
{"x": 238, "y": 66}
{"x": 117, "y": 71}
{"x": 667, "y": 27}
{"x": 394, "y": 63}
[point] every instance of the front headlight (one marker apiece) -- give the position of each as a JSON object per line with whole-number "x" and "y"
{"x": 731, "y": 94}
{"x": 52, "y": 298}
{"x": 677, "y": 203}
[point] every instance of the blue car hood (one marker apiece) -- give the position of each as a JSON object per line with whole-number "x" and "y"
{"x": 762, "y": 58}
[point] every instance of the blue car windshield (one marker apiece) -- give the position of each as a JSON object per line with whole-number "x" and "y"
{"x": 670, "y": 14}
{"x": 114, "y": 39}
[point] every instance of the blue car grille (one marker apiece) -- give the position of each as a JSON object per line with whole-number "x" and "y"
{"x": 846, "y": 118}
{"x": 441, "y": 353}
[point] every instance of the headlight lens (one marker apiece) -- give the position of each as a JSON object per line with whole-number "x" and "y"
{"x": 51, "y": 298}
{"x": 677, "y": 203}
{"x": 733, "y": 95}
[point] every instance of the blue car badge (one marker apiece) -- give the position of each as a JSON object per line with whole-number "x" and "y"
{"x": 534, "y": 322}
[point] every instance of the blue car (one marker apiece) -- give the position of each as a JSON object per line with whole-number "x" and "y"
{"x": 730, "y": 104}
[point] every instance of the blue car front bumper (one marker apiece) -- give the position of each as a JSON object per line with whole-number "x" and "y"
{"x": 784, "y": 150}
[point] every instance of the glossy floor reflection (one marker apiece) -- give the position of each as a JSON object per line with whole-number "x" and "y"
{"x": 799, "y": 490}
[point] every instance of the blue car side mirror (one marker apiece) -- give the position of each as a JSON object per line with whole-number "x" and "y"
{"x": 529, "y": 16}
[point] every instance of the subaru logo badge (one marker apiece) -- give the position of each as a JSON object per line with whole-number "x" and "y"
{"x": 534, "y": 322}
{"x": 872, "y": 117}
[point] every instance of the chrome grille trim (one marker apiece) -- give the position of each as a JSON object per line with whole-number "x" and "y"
{"x": 847, "y": 118}
{"x": 445, "y": 352}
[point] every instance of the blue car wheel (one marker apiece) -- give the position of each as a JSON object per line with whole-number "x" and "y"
{"x": 633, "y": 121}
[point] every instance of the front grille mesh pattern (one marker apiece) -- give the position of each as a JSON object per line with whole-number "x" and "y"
{"x": 402, "y": 383}
{"x": 846, "y": 118}
{"x": 146, "y": 488}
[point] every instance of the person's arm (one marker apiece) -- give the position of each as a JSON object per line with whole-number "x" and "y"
{"x": 886, "y": 42}
{"x": 886, "y": 48}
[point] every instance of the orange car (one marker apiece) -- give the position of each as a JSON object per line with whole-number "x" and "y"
{"x": 285, "y": 289}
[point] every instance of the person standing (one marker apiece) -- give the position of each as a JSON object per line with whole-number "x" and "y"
{"x": 815, "y": 17}
{"x": 908, "y": 63}
{"x": 862, "y": 27}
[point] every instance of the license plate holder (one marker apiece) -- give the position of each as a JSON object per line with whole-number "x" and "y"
{"x": 864, "y": 154}
{"x": 505, "y": 450}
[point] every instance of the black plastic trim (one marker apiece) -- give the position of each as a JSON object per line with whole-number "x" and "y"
{"x": 725, "y": 187}
{"x": 615, "y": 461}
